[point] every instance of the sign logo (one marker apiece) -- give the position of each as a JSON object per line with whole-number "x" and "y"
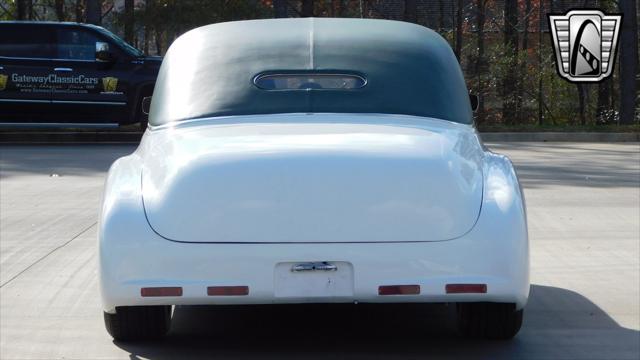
{"x": 3, "y": 81}
{"x": 585, "y": 43}
{"x": 109, "y": 84}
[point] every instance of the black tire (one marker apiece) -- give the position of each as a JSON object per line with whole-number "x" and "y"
{"x": 489, "y": 320}
{"x": 138, "y": 322}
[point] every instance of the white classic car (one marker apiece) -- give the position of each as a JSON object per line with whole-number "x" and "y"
{"x": 312, "y": 161}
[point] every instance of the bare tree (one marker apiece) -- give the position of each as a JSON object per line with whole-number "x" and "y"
{"x": 523, "y": 65}
{"x": 440, "y": 15}
{"x": 459, "y": 29}
{"x": 604, "y": 88}
{"x": 628, "y": 61}
{"x": 411, "y": 11}
{"x": 511, "y": 50}
{"x": 79, "y": 9}
{"x": 307, "y": 8}
{"x": 540, "y": 97}
{"x": 280, "y": 8}
{"x": 93, "y": 12}
{"x": 128, "y": 21}
{"x": 148, "y": 5}
{"x": 336, "y": 8}
{"x": 24, "y": 9}
{"x": 481, "y": 6}
{"x": 59, "y": 6}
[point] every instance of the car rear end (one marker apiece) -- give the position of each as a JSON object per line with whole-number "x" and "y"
{"x": 414, "y": 212}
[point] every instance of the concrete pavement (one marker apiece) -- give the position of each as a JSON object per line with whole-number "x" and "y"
{"x": 584, "y": 217}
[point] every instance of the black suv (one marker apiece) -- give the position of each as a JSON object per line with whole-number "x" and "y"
{"x": 69, "y": 74}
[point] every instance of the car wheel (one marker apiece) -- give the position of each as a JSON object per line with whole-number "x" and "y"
{"x": 489, "y": 320}
{"x": 138, "y": 322}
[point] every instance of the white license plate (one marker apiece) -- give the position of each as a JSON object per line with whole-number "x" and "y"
{"x": 313, "y": 279}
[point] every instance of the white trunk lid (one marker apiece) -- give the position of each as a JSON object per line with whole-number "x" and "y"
{"x": 313, "y": 182}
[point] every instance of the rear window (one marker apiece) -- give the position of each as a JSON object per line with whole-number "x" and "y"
{"x": 23, "y": 41}
{"x": 310, "y": 81}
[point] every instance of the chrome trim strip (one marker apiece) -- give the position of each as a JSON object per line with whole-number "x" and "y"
{"x": 26, "y": 101}
{"x": 24, "y": 58}
{"x": 232, "y": 119}
{"x": 63, "y": 69}
{"x": 45, "y": 59}
{"x": 117, "y": 103}
{"x": 58, "y": 125}
{"x": 74, "y": 60}
{"x": 314, "y": 266}
{"x": 114, "y": 103}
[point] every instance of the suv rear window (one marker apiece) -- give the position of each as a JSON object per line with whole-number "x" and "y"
{"x": 22, "y": 41}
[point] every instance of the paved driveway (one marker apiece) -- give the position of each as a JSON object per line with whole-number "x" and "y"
{"x": 584, "y": 214}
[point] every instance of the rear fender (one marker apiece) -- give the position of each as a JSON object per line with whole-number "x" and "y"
{"x": 502, "y": 225}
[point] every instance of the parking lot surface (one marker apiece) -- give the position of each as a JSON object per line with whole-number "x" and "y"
{"x": 583, "y": 204}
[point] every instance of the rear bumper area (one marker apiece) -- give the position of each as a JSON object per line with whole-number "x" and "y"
{"x": 194, "y": 268}
{"x": 132, "y": 256}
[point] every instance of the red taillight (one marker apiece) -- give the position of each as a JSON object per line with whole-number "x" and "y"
{"x": 466, "y": 288}
{"x": 399, "y": 290}
{"x": 161, "y": 291}
{"x": 227, "y": 290}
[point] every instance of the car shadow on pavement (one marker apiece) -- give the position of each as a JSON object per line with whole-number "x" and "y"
{"x": 558, "y": 324}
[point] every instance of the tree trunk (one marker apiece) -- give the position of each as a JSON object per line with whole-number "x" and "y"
{"x": 336, "y": 8}
{"x": 158, "y": 38}
{"x": 128, "y": 21}
{"x": 522, "y": 75}
{"x": 459, "y": 29}
{"x": 93, "y": 12}
{"x": 511, "y": 50}
{"x": 540, "y": 98}
{"x": 307, "y": 8}
{"x": 479, "y": 68}
{"x": 21, "y": 10}
{"x": 604, "y": 101}
{"x": 441, "y": 15}
{"x": 628, "y": 61}
{"x": 59, "y": 5}
{"x": 79, "y": 11}
{"x": 581, "y": 103}
{"x": 148, "y": 6}
{"x": 411, "y": 11}
{"x": 280, "y": 8}
{"x": 24, "y": 8}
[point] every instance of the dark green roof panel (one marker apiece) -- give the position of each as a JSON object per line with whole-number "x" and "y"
{"x": 408, "y": 68}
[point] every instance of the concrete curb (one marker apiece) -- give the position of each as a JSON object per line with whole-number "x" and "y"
{"x": 90, "y": 137}
{"x": 560, "y": 136}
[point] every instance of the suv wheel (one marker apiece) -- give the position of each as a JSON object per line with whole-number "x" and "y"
{"x": 489, "y": 320}
{"x": 138, "y": 322}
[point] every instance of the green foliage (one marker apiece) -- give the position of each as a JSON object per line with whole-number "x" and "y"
{"x": 7, "y": 10}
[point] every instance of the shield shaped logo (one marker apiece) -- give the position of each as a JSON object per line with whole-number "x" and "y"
{"x": 585, "y": 43}
{"x": 109, "y": 84}
{"x": 3, "y": 81}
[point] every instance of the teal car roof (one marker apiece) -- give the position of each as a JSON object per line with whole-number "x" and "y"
{"x": 408, "y": 69}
